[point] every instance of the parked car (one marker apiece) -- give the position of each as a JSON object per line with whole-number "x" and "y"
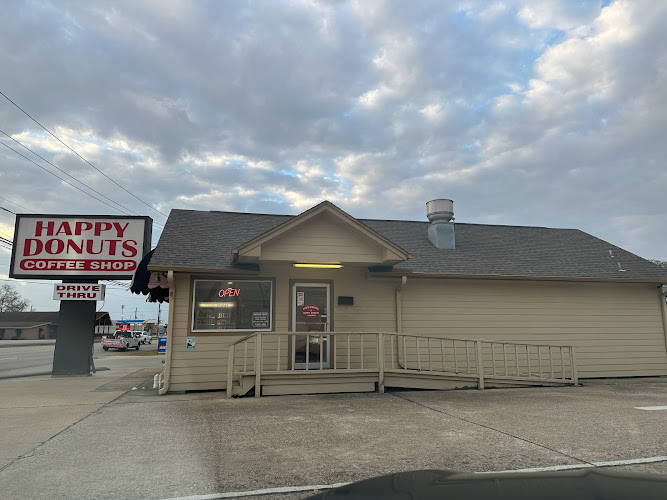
{"x": 122, "y": 339}
{"x": 146, "y": 338}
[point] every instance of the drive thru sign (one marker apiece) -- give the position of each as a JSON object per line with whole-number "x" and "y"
{"x": 75, "y": 291}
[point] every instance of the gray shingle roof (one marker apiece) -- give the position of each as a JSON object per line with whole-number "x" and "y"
{"x": 204, "y": 240}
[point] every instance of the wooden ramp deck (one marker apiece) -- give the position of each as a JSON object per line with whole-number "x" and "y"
{"x": 374, "y": 361}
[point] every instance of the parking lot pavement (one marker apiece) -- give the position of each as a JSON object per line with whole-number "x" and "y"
{"x": 203, "y": 443}
{"x": 33, "y": 410}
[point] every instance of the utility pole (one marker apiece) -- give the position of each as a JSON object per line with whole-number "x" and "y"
{"x": 135, "y": 312}
{"x": 158, "y": 314}
{"x": 122, "y": 313}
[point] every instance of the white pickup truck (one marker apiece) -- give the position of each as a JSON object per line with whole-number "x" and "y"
{"x": 122, "y": 339}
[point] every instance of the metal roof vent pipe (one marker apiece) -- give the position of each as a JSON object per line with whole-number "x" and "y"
{"x": 441, "y": 230}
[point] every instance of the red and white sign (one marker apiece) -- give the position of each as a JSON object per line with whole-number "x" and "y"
{"x": 63, "y": 246}
{"x": 82, "y": 291}
{"x": 310, "y": 310}
{"x": 300, "y": 298}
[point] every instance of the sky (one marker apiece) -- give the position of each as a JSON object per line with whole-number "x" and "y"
{"x": 544, "y": 112}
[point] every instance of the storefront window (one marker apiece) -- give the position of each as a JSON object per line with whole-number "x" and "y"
{"x": 225, "y": 305}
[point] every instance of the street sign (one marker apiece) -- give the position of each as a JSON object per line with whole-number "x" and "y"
{"x": 161, "y": 345}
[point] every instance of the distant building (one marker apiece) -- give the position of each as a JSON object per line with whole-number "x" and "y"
{"x": 37, "y": 325}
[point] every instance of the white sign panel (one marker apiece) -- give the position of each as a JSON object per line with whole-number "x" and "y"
{"x": 190, "y": 343}
{"x": 66, "y": 246}
{"x": 78, "y": 291}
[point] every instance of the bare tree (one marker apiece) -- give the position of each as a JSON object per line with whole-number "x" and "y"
{"x": 662, "y": 263}
{"x": 11, "y": 300}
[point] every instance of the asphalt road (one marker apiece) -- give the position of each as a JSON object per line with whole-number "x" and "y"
{"x": 40, "y": 357}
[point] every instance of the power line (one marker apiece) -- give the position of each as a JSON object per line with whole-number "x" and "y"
{"x": 13, "y": 203}
{"x": 61, "y": 142}
{"x": 66, "y": 173}
{"x": 30, "y": 282}
{"x": 65, "y": 181}
{"x": 3, "y": 208}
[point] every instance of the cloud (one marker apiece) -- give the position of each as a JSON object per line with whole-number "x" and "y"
{"x": 536, "y": 112}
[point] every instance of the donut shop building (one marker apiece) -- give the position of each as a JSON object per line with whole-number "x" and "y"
{"x": 325, "y": 302}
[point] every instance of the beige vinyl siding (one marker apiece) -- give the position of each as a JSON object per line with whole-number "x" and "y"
{"x": 205, "y": 368}
{"x": 323, "y": 239}
{"x": 616, "y": 328}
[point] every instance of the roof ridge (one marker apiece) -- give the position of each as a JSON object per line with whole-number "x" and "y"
{"x": 372, "y": 220}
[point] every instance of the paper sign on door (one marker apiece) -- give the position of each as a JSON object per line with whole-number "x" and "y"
{"x": 300, "y": 298}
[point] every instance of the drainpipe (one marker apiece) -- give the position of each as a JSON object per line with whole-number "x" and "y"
{"x": 170, "y": 332}
{"x": 663, "y": 310}
{"x": 399, "y": 320}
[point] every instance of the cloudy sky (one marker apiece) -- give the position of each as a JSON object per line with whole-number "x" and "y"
{"x": 549, "y": 113}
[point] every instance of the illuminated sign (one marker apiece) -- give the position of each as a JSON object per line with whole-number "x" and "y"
{"x": 67, "y": 246}
{"x": 229, "y": 292}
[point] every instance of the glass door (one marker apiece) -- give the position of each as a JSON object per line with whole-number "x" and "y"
{"x": 310, "y": 314}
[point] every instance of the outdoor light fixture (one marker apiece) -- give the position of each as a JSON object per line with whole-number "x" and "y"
{"x": 318, "y": 265}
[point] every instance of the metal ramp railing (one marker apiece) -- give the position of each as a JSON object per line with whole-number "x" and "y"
{"x": 273, "y": 353}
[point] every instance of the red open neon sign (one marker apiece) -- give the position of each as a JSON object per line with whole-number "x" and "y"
{"x": 229, "y": 292}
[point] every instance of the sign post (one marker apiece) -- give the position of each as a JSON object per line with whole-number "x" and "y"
{"x": 79, "y": 250}
{"x": 75, "y": 336}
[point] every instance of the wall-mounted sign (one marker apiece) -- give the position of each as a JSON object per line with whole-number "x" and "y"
{"x": 310, "y": 310}
{"x": 229, "y": 292}
{"x": 190, "y": 343}
{"x": 300, "y": 298}
{"x": 78, "y": 291}
{"x": 260, "y": 319}
{"x": 66, "y": 246}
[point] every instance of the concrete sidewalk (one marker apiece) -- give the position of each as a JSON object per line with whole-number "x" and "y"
{"x": 34, "y": 410}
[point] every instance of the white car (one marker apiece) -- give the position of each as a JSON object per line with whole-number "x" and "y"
{"x": 146, "y": 338}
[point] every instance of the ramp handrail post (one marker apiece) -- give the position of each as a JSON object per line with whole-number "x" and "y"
{"x": 573, "y": 367}
{"x": 480, "y": 365}
{"x": 230, "y": 370}
{"x": 380, "y": 338}
{"x": 258, "y": 365}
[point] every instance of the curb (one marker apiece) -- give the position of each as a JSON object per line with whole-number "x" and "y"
{"x": 26, "y": 343}
{"x": 41, "y": 374}
{"x": 23, "y": 375}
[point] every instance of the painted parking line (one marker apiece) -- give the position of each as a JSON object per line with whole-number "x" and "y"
{"x": 650, "y": 408}
{"x": 609, "y": 463}
{"x": 319, "y": 487}
{"x": 265, "y": 491}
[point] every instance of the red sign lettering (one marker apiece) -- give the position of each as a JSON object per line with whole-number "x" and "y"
{"x": 310, "y": 310}
{"x": 229, "y": 292}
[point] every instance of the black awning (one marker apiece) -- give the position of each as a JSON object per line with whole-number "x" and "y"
{"x": 144, "y": 282}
